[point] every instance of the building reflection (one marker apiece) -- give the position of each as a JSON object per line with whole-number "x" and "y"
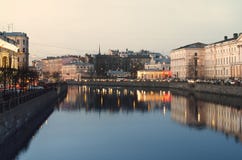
{"x": 114, "y": 99}
{"x": 187, "y": 110}
{"x": 200, "y": 114}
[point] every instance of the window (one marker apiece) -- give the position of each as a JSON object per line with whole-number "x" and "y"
{"x": 17, "y": 41}
{"x": 24, "y": 42}
{"x": 23, "y": 50}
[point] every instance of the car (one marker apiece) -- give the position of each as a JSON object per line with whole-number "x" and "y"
{"x": 190, "y": 81}
{"x": 36, "y": 87}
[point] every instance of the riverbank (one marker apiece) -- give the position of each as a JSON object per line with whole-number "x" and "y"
{"x": 191, "y": 87}
{"x": 18, "y": 117}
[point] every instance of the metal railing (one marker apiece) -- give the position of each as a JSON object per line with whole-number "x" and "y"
{"x": 11, "y": 100}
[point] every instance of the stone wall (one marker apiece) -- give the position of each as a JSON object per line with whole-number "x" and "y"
{"x": 192, "y": 87}
{"x": 208, "y": 88}
{"x": 14, "y": 119}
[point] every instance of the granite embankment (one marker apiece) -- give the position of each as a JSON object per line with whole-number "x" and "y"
{"x": 194, "y": 87}
{"x": 17, "y": 118}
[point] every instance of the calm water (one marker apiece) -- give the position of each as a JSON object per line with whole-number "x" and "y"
{"x": 117, "y": 123}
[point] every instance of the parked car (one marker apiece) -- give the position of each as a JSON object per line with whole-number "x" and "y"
{"x": 229, "y": 81}
{"x": 36, "y": 87}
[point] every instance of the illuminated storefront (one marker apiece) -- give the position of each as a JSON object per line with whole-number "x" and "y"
{"x": 153, "y": 74}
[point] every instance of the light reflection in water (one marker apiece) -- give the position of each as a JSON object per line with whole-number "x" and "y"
{"x": 114, "y": 99}
{"x": 187, "y": 111}
{"x": 200, "y": 114}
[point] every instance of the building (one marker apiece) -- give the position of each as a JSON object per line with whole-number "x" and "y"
{"x": 70, "y": 72}
{"x": 118, "y": 74}
{"x": 158, "y": 62}
{"x": 22, "y": 42}
{"x": 104, "y": 63}
{"x": 134, "y": 63}
{"x": 77, "y": 71}
{"x": 52, "y": 66}
{"x": 223, "y": 59}
{"x": 8, "y": 53}
{"x": 157, "y": 69}
{"x": 188, "y": 61}
{"x": 153, "y": 74}
{"x": 219, "y": 60}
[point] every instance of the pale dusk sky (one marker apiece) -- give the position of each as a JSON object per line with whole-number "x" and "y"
{"x": 59, "y": 27}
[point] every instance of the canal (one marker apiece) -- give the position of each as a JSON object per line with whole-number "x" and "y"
{"x": 126, "y": 123}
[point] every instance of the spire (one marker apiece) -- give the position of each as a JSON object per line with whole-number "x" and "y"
{"x": 99, "y": 50}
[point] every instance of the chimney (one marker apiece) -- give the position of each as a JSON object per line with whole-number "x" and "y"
{"x": 225, "y": 38}
{"x": 235, "y": 35}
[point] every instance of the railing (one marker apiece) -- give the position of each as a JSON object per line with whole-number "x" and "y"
{"x": 12, "y": 100}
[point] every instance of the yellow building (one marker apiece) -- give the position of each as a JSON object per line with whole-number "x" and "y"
{"x": 153, "y": 74}
{"x": 70, "y": 72}
{"x": 8, "y": 53}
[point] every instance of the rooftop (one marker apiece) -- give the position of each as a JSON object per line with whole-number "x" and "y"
{"x": 193, "y": 45}
{"x": 14, "y": 34}
{"x": 4, "y": 38}
{"x": 226, "y": 39}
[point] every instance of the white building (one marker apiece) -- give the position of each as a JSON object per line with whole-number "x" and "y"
{"x": 223, "y": 59}
{"x": 188, "y": 61}
{"x": 219, "y": 60}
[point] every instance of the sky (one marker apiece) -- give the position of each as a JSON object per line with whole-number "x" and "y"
{"x": 60, "y": 27}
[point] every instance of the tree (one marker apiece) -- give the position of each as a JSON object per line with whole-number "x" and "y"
{"x": 56, "y": 76}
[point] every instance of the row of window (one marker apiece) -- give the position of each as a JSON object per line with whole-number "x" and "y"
{"x": 228, "y": 50}
{"x": 226, "y": 60}
{"x": 18, "y": 41}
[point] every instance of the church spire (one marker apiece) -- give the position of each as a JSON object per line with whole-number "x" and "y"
{"x": 99, "y": 50}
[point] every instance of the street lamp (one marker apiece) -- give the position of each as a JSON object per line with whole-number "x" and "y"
{"x": 195, "y": 65}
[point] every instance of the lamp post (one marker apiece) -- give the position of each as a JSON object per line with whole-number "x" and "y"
{"x": 195, "y": 66}
{"x": 4, "y": 74}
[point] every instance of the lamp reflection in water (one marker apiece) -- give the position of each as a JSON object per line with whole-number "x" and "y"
{"x": 119, "y": 99}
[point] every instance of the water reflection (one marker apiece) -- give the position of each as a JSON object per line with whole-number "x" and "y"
{"x": 114, "y": 99}
{"x": 187, "y": 110}
{"x": 20, "y": 142}
{"x": 196, "y": 113}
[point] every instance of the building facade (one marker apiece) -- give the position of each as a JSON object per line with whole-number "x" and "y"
{"x": 223, "y": 59}
{"x": 51, "y": 67}
{"x": 22, "y": 42}
{"x": 219, "y": 60}
{"x": 77, "y": 71}
{"x": 8, "y": 53}
{"x": 188, "y": 61}
{"x": 158, "y": 62}
{"x": 153, "y": 74}
{"x": 157, "y": 69}
{"x": 70, "y": 72}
